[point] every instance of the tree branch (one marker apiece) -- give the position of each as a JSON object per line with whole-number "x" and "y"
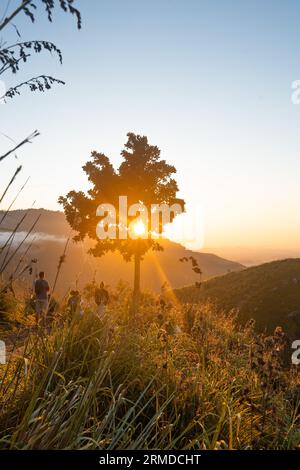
{"x": 14, "y": 13}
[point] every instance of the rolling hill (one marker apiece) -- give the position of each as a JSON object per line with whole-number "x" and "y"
{"x": 269, "y": 293}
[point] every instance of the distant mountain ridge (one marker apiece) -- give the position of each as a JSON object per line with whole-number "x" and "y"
{"x": 157, "y": 267}
{"x": 51, "y": 222}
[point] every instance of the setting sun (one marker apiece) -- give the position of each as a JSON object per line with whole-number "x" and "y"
{"x": 139, "y": 228}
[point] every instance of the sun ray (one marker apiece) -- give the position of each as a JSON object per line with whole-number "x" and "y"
{"x": 164, "y": 279}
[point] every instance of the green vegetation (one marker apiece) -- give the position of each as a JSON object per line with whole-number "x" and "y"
{"x": 269, "y": 293}
{"x": 176, "y": 377}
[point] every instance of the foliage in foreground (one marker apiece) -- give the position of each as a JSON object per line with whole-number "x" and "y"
{"x": 185, "y": 378}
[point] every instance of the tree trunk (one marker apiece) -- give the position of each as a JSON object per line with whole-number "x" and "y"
{"x": 137, "y": 279}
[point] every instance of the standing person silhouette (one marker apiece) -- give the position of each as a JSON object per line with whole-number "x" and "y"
{"x": 101, "y": 299}
{"x": 41, "y": 289}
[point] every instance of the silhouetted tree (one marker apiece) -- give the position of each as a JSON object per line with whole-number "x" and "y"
{"x": 142, "y": 177}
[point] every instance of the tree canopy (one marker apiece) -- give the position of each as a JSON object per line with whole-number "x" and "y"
{"x": 142, "y": 176}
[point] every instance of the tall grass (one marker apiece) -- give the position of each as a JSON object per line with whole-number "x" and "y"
{"x": 175, "y": 379}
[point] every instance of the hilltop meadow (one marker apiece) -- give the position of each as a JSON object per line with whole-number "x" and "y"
{"x": 177, "y": 377}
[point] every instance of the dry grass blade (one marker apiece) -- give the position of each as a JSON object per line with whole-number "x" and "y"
{"x": 23, "y": 142}
{"x": 10, "y": 183}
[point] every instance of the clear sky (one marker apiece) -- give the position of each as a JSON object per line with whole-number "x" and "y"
{"x": 209, "y": 82}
